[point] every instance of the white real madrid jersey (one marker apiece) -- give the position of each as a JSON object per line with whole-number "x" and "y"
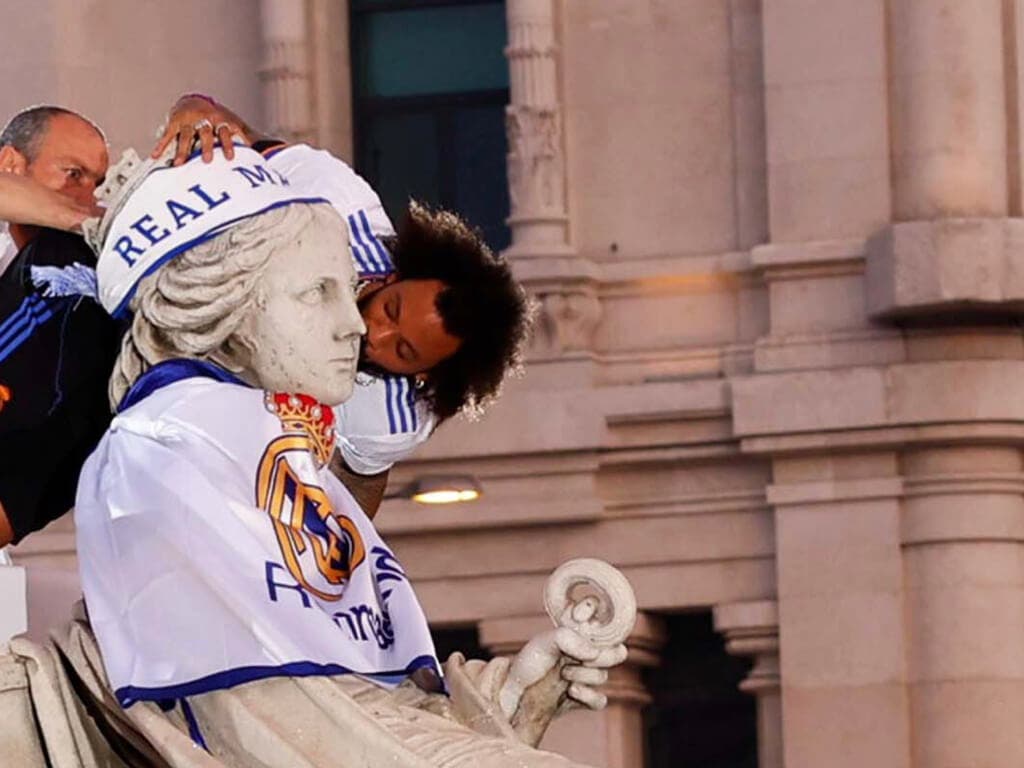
{"x": 215, "y": 548}
{"x": 318, "y": 171}
{"x": 383, "y": 422}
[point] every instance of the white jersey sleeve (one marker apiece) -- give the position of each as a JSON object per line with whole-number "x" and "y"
{"x": 381, "y": 423}
{"x": 321, "y": 173}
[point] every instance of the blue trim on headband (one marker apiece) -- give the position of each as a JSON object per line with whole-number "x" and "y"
{"x": 120, "y": 312}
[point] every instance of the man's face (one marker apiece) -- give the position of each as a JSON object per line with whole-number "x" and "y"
{"x": 404, "y": 332}
{"x": 306, "y": 327}
{"x": 71, "y": 159}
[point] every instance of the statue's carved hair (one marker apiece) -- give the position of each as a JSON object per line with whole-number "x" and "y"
{"x": 192, "y": 305}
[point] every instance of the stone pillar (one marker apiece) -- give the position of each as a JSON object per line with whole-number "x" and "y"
{"x": 954, "y": 101}
{"x": 287, "y": 85}
{"x": 948, "y": 106}
{"x": 614, "y": 736}
{"x": 841, "y": 609}
{"x": 332, "y": 76}
{"x": 544, "y": 261}
{"x": 752, "y": 629}
{"x": 826, "y": 118}
{"x": 963, "y": 528}
{"x": 536, "y": 146}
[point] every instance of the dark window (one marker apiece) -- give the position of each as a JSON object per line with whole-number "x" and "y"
{"x": 699, "y": 718}
{"x": 466, "y": 640}
{"x": 431, "y": 85}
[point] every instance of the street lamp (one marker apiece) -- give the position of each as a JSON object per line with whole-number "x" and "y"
{"x": 439, "y": 489}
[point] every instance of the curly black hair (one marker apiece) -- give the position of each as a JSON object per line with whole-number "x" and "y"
{"x": 481, "y": 304}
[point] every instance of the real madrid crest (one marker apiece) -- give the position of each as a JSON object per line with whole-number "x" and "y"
{"x": 320, "y": 547}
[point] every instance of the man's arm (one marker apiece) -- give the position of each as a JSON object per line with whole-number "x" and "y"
{"x": 367, "y": 490}
{"x": 25, "y": 201}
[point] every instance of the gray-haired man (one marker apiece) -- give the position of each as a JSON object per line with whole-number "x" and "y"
{"x": 56, "y": 349}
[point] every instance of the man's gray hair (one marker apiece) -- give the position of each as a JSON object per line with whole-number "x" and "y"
{"x": 26, "y": 130}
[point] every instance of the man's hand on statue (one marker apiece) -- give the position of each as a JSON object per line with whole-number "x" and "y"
{"x": 197, "y": 119}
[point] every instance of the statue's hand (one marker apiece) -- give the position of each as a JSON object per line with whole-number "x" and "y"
{"x": 567, "y": 664}
{"x": 591, "y": 671}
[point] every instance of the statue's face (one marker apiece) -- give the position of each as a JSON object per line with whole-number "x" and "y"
{"x": 304, "y": 330}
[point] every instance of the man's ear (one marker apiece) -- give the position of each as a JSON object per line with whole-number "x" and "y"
{"x": 12, "y": 161}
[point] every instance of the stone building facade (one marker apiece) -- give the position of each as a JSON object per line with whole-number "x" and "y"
{"x": 777, "y": 374}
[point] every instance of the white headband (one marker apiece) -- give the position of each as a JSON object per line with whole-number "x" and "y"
{"x": 166, "y": 211}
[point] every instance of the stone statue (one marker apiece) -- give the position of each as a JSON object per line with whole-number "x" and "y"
{"x": 242, "y": 610}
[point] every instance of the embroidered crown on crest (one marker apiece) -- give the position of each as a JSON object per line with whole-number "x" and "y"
{"x": 305, "y": 415}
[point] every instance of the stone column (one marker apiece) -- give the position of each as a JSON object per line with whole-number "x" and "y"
{"x": 614, "y": 736}
{"x": 287, "y": 85}
{"x": 841, "y": 609}
{"x": 962, "y": 530}
{"x": 954, "y": 102}
{"x": 332, "y": 76}
{"x": 826, "y": 118}
{"x": 948, "y": 107}
{"x": 544, "y": 260}
{"x": 536, "y": 146}
{"x": 752, "y": 629}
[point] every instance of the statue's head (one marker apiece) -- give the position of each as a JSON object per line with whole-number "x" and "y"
{"x": 263, "y": 288}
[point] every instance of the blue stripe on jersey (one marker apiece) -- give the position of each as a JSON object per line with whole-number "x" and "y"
{"x": 411, "y": 401}
{"x": 16, "y": 317}
{"x": 359, "y": 249}
{"x": 382, "y": 255}
{"x": 400, "y": 385}
{"x": 387, "y": 400}
{"x": 20, "y": 326}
